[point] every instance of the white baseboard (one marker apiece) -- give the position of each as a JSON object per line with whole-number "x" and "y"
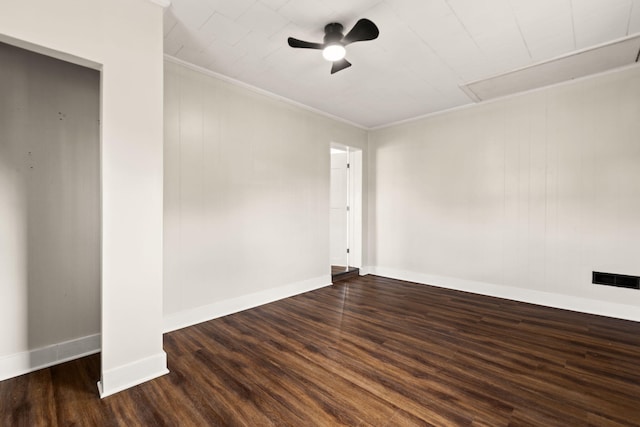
{"x": 204, "y": 313}
{"x": 566, "y": 302}
{"x": 364, "y": 270}
{"x": 129, "y": 375}
{"x": 22, "y": 363}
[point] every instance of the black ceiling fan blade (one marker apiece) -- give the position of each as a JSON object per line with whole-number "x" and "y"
{"x": 303, "y": 44}
{"x": 339, "y": 65}
{"x": 363, "y": 30}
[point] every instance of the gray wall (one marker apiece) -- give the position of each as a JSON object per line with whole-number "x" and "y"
{"x": 49, "y": 201}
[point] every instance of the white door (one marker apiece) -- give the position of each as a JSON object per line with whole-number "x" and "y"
{"x": 338, "y": 203}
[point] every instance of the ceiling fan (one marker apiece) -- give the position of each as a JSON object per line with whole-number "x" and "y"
{"x": 334, "y": 42}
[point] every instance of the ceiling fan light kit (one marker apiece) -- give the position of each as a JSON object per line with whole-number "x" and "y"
{"x": 333, "y": 46}
{"x": 333, "y": 52}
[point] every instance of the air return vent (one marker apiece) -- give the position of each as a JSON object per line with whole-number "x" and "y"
{"x": 618, "y": 280}
{"x": 582, "y": 63}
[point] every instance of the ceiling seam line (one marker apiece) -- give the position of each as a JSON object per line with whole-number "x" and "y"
{"x": 573, "y": 24}
{"x": 466, "y": 30}
{"x": 446, "y": 63}
{"x": 515, "y": 17}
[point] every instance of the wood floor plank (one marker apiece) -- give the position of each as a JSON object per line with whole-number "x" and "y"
{"x": 370, "y": 351}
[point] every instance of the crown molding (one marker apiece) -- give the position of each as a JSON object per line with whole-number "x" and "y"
{"x": 471, "y": 105}
{"x": 260, "y": 91}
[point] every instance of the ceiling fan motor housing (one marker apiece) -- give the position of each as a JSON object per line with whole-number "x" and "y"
{"x": 333, "y": 33}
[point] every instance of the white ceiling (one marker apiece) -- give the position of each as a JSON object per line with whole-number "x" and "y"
{"x": 426, "y": 48}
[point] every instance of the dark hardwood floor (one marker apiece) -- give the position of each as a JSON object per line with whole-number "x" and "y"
{"x": 369, "y": 351}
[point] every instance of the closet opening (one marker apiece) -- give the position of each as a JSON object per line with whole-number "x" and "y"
{"x": 50, "y": 221}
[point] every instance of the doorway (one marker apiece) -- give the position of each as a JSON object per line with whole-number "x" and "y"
{"x": 345, "y": 212}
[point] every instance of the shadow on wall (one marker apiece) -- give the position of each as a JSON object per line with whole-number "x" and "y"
{"x": 50, "y": 214}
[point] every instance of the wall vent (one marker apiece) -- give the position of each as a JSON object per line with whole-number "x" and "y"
{"x": 593, "y": 60}
{"x": 618, "y": 280}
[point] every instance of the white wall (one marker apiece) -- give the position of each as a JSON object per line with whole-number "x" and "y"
{"x": 521, "y": 198}
{"x": 49, "y": 205}
{"x": 124, "y": 39}
{"x": 246, "y": 196}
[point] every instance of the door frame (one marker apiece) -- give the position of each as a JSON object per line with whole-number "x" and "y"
{"x": 355, "y": 220}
